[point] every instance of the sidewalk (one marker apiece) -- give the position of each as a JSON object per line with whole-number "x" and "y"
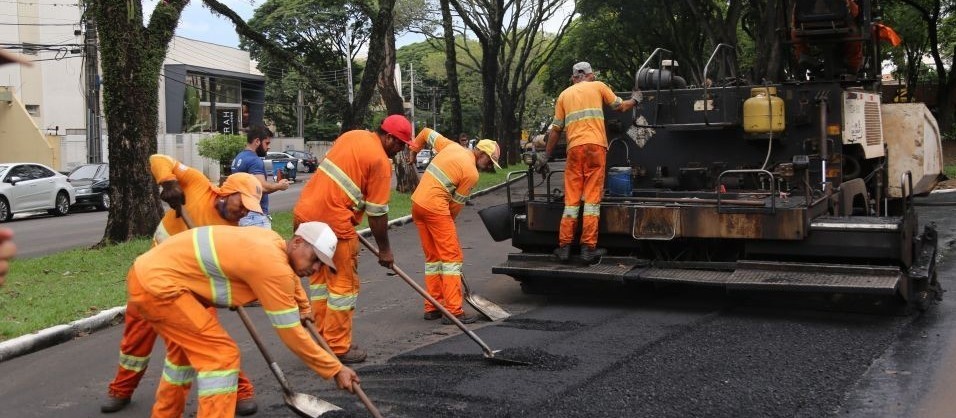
{"x": 59, "y": 334}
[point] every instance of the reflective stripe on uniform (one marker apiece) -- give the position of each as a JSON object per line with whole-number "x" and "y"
{"x": 345, "y": 183}
{"x": 375, "y": 209}
{"x": 338, "y": 302}
{"x": 432, "y": 137}
{"x": 133, "y": 363}
{"x": 459, "y": 198}
{"x": 441, "y": 177}
{"x": 451, "y": 269}
{"x": 592, "y": 209}
{"x": 432, "y": 268}
{"x": 318, "y": 292}
{"x": 557, "y": 123}
{"x": 284, "y": 319}
{"x": 178, "y": 375}
{"x": 217, "y": 382}
{"x": 570, "y": 212}
{"x": 584, "y": 114}
{"x": 209, "y": 263}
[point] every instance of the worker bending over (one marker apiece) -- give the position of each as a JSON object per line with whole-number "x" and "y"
{"x": 174, "y": 283}
{"x": 443, "y": 190}
{"x": 206, "y": 204}
{"x": 352, "y": 180}
{"x": 579, "y": 112}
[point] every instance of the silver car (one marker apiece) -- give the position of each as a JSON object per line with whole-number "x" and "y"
{"x": 29, "y": 187}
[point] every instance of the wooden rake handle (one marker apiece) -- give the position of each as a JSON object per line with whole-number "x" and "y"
{"x": 372, "y": 409}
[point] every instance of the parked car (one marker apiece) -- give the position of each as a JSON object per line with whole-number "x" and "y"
{"x": 274, "y": 158}
{"x": 28, "y": 187}
{"x": 423, "y": 158}
{"x": 307, "y": 161}
{"x": 92, "y": 184}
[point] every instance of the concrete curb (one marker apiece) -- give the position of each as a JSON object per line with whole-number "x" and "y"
{"x": 45, "y": 338}
{"x": 49, "y": 337}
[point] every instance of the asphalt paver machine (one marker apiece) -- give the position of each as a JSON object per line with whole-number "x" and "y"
{"x": 805, "y": 185}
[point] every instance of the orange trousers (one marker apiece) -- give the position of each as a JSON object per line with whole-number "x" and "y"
{"x": 333, "y": 295}
{"x": 583, "y": 179}
{"x": 443, "y": 258}
{"x": 197, "y": 348}
{"x": 135, "y": 348}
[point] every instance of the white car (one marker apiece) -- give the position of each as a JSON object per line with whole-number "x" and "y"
{"x": 423, "y": 158}
{"x": 28, "y": 187}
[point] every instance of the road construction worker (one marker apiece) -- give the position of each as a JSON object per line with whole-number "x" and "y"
{"x": 173, "y": 284}
{"x": 353, "y": 179}
{"x": 206, "y": 204}
{"x": 442, "y": 192}
{"x": 258, "y": 140}
{"x": 579, "y": 112}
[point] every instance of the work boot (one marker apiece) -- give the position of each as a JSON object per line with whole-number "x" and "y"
{"x": 465, "y": 318}
{"x": 354, "y": 355}
{"x": 592, "y": 254}
{"x": 432, "y": 315}
{"x": 246, "y": 407}
{"x": 113, "y": 404}
{"x": 563, "y": 253}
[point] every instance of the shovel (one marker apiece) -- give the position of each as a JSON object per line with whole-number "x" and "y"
{"x": 489, "y": 354}
{"x": 355, "y": 386}
{"x": 482, "y": 305}
{"x": 302, "y": 404}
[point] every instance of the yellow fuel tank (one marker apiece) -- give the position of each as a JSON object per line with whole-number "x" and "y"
{"x": 763, "y": 111}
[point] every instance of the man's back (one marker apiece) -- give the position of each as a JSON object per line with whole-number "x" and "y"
{"x": 580, "y": 110}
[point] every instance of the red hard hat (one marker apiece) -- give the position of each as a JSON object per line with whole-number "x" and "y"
{"x": 399, "y": 127}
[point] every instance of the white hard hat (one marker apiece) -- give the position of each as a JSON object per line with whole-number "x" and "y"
{"x": 322, "y": 238}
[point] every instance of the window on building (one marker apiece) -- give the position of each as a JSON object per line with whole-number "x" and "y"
{"x": 33, "y": 110}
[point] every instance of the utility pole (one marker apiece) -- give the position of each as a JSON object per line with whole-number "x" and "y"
{"x": 348, "y": 60}
{"x": 411, "y": 71}
{"x": 94, "y": 146}
{"x": 299, "y": 114}
{"x": 434, "y": 110}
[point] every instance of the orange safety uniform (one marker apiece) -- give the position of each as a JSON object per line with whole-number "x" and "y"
{"x": 439, "y": 197}
{"x": 173, "y": 284}
{"x": 138, "y": 336}
{"x": 579, "y": 112}
{"x": 353, "y": 179}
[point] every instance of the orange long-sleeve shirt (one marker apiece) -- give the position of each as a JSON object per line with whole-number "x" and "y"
{"x": 228, "y": 266}
{"x": 448, "y": 180}
{"x": 579, "y": 112}
{"x": 200, "y": 193}
{"x": 353, "y": 179}
{"x": 201, "y": 197}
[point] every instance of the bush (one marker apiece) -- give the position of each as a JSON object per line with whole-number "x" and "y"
{"x": 222, "y": 148}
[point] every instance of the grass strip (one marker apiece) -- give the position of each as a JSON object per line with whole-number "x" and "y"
{"x": 74, "y": 284}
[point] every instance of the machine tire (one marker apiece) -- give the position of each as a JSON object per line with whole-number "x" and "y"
{"x": 6, "y": 213}
{"x": 61, "y": 206}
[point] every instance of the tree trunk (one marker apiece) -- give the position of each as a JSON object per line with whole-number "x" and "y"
{"x": 451, "y": 69}
{"x": 405, "y": 174}
{"x": 509, "y": 133}
{"x": 132, "y": 60}
{"x": 382, "y": 25}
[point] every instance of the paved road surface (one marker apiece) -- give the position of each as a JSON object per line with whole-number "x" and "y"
{"x": 645, "y": 352}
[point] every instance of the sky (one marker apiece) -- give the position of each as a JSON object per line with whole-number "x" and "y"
{"x": 197, "y": 22}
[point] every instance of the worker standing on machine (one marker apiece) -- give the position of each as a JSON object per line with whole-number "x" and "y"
{"x": 579, "y": 112}
{"x": 442, "y": 192}
{"x": 187, "y": 188}
{"x": 173, "y": 284}
{"x": 352, "y": 180}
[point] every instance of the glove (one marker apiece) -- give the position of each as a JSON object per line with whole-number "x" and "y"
{"x": 172, "y": 194}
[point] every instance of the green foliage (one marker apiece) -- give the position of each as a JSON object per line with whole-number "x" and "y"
{"x": 191, "y": 109}
{"x": 221, "y": 147}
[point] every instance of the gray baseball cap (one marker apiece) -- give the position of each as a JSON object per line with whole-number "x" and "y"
{"x": 581, "y": 68}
